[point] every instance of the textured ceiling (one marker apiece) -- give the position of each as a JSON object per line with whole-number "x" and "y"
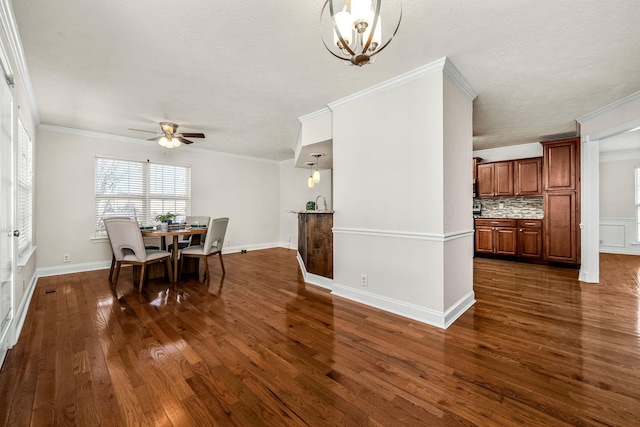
{"x": 242, "y": 72}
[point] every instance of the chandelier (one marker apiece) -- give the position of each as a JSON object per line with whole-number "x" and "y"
{"x": 355, "y": 28}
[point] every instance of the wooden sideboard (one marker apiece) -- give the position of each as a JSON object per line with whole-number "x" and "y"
{"x": 315, "y": 242}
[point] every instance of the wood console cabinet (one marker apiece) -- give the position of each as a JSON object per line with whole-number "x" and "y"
{"x": 561, "y": 180}
{"x": 315, "y": 242}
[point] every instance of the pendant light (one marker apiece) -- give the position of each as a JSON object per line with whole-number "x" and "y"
{"x": 316, "y": 173}
{"x": 310, "y": 181}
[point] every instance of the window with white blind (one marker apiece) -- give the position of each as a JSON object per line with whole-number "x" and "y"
{"x": 637, "y": 203}
{"x": 140, "y": 190}
{"x": 24, "y": 188}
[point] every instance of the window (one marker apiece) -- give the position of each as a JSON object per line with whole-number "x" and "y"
{"x": 24, "y": 188}
{"x": 637, "y": 203}
{"x": 140, "y": 190}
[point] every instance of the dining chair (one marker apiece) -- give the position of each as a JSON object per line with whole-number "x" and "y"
{"x": 190, "y": 220}
{"x": 212, "y": 246}
{"x": 128, "y": 249}
{"x": 113, "y": 257}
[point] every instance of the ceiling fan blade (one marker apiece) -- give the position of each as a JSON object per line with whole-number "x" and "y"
{"x": 192, "y": 135}
{"x": 184, "y": 141}
{"x": 142, "y": 130}
{"x": 155, "y": 138}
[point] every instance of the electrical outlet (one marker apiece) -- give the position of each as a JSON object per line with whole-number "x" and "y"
{"x": 228, "y": 242}
{"x": 363, "y": 280}
{"x": 66, "y": 258}
{"x": 500, "y": 205}
{"x": 24, "y": 286}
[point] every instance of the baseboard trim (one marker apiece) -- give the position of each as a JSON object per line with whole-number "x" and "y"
{"x": 405, "y": 309}
{"x": 314, "y": 279}
{"x": 21, "y": 314}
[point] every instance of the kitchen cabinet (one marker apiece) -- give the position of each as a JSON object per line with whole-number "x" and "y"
{"x": 496, "y": 236}
{"x": 529, "y": 238}
{"x": 315, "y": 242}
{"x": 561, "y": 181}
{"x": 528, "y": 177}
{"x": 495, "y": 179}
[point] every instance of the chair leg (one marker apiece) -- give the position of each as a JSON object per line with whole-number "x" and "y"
{"x": 221, "y": 263}
{"x": 116, "y": 273}
{"x": 169, "y": 268}
{"x": 181, "y": 266}
{"x": 113, "y": 264}
{"x": 143, "y": 267}
{"x": 206, "y": 269}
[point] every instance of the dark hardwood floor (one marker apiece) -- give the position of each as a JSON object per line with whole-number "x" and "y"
{"x": 260, "y": 347}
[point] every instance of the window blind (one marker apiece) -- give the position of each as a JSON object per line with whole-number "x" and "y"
{"x": 24, "y": 188}
{"x": 140, "y": 191}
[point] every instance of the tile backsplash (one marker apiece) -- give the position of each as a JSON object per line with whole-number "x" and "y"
{"x": 513, "y": 207}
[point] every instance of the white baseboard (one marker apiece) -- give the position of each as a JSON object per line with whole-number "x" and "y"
{"x": 405, "y": 309}
{"x": 314, "y": 279}
{"x": 15, "y": 328}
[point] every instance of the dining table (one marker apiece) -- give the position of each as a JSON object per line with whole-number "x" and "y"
{"x": 175, "y": 233}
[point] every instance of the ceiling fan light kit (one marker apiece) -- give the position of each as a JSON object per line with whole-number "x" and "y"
{"x": 169, "y": 137}
{"x": 354, "y": 28}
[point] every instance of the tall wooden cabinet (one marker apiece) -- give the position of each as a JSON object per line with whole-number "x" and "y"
{"x": 561, "y": 182}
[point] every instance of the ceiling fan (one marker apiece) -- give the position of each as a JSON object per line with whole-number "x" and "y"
{"x": 169, "y": 137}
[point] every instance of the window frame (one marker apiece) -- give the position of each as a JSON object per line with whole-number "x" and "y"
{"x": 135, "y": 198}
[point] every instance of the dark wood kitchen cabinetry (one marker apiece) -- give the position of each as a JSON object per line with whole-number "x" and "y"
{"x": 527, "y": 177}
{"x": 315, "y": 242}
{"x": 530, "y": 239}
{"x": 495, "y": 179}
{"x": 496, "y": 236}
{"x": 561, "y": 181}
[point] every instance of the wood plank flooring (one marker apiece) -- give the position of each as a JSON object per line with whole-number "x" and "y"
{"x": 260, "y": 347}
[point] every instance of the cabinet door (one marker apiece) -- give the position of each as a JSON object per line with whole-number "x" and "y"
{"x": 528, "y": 177}
{"x": 530, "y": 243}
{"x": 505, "y": 241}
{"x": 503, "y": 181}
{"x": 560, "y": 165}
{"x": 560, "y": 227}
{"x": 485, "y": 180}
{"x": 484, "y": 240}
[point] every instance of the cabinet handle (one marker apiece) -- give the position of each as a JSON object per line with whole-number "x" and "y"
{"x": 529, "y": 223}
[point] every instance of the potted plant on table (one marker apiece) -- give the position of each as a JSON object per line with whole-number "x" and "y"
{"x": 166, "y": 219}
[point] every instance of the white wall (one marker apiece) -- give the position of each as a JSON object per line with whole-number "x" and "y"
{"x": 617, "y": 203}
{"x": 244, "y": 189}
{"x": 520, "y": 151}
{"x": 393, "y": 217}
{"x": 294, "y": 195}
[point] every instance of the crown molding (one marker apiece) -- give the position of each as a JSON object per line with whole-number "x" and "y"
{"x": 441, "y": 65}
{"x": 609, "y": 108}
{"x": 8, "y": 22}
{"x": 315, "y": 114}
{"x": 111, "y": 137}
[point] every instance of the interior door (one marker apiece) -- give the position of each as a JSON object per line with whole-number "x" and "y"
{"x": 7, "y": 241}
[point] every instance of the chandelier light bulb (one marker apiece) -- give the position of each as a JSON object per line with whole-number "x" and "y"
{"x": 316, "y": 176}
{"x": 310, "y": 182}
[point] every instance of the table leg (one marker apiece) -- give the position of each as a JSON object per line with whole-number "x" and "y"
{"x": 175, "y": 254}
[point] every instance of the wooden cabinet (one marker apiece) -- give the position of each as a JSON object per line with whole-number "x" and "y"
{"x": 496, "y": 236}
{"x": 315, "y": 242}
{"x": 528, "y": 177}
{"x": 521, "y": 177}
{"x": 561, "y": 181}
{"x": 561, "y": 231}
{"x": 495, "y": 179}
{"x": 529, "y": 238}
